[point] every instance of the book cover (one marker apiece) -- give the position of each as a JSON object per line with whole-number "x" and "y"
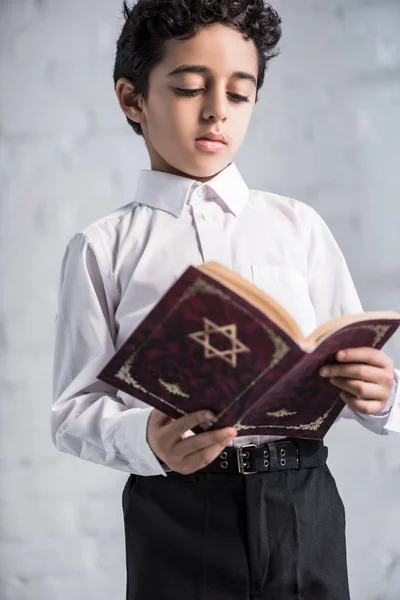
{"x": 203, "y": 346}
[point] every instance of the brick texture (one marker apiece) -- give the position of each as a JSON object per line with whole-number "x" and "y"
{"x": 326, "y": 131}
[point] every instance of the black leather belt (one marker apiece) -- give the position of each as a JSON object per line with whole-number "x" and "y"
{"x": 290, "y": 453}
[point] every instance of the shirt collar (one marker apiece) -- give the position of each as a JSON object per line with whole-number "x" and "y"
{"x": 172, "y": 192}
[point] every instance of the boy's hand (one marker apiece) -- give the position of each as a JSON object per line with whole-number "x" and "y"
{"x": 366, "y": 377}
{"x": 185, "y": 455}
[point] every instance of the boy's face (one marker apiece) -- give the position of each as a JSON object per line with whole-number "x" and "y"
{"x": 204, "y": 86}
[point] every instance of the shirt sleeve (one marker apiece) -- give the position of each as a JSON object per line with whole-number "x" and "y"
{"x": 89, "y": 419}
{"x": 333, "y": 294}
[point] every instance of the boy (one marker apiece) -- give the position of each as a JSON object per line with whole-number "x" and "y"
{"x": 200, "y": 524}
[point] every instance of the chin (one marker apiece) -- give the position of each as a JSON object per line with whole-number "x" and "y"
{"x": 205, "y": 171}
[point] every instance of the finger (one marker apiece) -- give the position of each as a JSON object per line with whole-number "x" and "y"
{"x": 371, "y": 407}
{"x": 359, "y": 389}
{"x": 180, "y": 426}
{"x": 160, "y": 418}
{"x": 204, "y": 456}
{"x": 206, "y": 440}
{"x": 369, "y": 356}
{"x": 355, "y": 371}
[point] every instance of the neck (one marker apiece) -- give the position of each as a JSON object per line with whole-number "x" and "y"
{"x": 164, "y": 167}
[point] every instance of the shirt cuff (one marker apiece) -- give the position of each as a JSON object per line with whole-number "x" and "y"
{"x": 130, "y": 440}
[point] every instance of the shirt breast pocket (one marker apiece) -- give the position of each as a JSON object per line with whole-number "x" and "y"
{"x": 288, "y": 287}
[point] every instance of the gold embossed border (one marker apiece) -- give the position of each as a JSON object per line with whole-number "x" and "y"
{"x": 379, "y": 330}
{"x": 313, "y": 426}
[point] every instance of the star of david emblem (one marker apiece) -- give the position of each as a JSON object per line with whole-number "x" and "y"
{"x": 227, "y": 331}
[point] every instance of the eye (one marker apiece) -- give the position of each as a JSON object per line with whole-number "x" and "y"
{"x": 185, "y": 92}
{"x": 239, "y": 98}
{"x": 192, "y": 93}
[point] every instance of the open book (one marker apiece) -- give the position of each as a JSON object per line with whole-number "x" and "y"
{"x": 216, "y": 341}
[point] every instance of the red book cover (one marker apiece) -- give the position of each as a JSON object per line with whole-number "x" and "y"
{"x": 204, "y": 346}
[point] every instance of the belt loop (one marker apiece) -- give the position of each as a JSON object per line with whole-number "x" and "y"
{"x": 273, "y": 457}
{"x": 311, "y": 452}
{"x": 298, "y": 457}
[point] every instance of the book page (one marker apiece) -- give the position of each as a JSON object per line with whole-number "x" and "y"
{"x": 330, "y": 327}
{"x": 272, "y": 309}
{"x": 249, "y": 292}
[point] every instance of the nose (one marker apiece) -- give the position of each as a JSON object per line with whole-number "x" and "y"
{"x": 215, "y": 106}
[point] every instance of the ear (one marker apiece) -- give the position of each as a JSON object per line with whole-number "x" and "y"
{"x": 129, "y": 101}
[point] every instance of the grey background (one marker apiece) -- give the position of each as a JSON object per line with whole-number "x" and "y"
{"x": 327, "y": 131}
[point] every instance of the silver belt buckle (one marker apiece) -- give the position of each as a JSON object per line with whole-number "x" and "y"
{"x": 241, "y": 459}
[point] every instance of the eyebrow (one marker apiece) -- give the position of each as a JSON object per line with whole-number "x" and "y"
{"x": 203, "y": 70}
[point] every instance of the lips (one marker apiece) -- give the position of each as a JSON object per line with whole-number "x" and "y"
{"x": 213, "y": 137}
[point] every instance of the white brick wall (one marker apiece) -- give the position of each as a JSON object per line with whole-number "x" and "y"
{"x": 326, "y": 131}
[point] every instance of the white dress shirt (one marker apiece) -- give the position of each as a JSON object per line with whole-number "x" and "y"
{"x": 115, "y": 271}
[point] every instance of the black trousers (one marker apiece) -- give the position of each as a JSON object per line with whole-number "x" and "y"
{"x": 266, "y": 536}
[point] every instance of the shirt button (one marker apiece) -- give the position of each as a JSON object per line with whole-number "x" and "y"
{"x": 202, "y": 192}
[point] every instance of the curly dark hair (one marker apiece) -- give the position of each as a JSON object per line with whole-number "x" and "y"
{"x": 150, "y": 23}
